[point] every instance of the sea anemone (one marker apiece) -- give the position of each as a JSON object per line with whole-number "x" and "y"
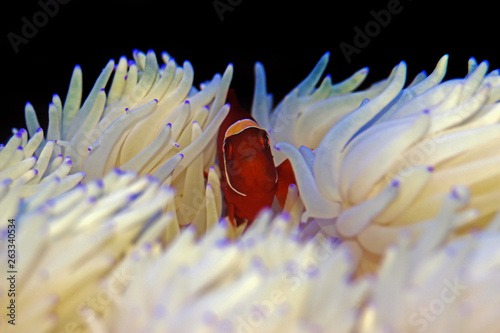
{"x": 120, "y": 222}
{"x": 383, "y": 159}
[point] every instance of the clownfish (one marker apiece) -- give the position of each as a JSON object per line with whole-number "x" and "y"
{"x": 250, "y": 180}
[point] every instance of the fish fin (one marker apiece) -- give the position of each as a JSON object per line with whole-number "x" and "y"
{"x": 285, "y": 178}
{"x": 230, "y": 213}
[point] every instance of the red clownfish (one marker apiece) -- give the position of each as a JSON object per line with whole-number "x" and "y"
{"x": 250, "y": 179}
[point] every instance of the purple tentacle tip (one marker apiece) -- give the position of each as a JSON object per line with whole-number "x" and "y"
{"x": 20, "y": 148}
{"x": 19, "y": 134}
{"x": 430, "y": 168}
{"x": 35, "y": 171}
{"x": 156, "y": 100}
{"x": 286, "y": 216}
{"x": 222, "y": 242}
{"x": 454, "y": 194}
{"x": 395, "y": 183}
{"x": 69, "y": 162}
{"x": 134, "y": 196}
{"x": 147, "y": 246}
{"x": 182, "y": 155}
{"x": 276, "y": 147}
{"x": 150, "y": 178}
{"x": 39, "y": 129}
{"x": 257, "y": 262}
{"x": 427, "y": 111}
{"x": 187, "y": 102}
{"x": 89, "y": 149}
{"x": 313, "y": 272}
{"x": 223, "y": 223}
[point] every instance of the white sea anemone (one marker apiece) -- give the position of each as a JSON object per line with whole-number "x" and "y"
{"x": 383, "y": 159}
{"x": 120, "y": 219}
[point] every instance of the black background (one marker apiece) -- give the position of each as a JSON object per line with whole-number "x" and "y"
{"x": 287, "y": 37}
